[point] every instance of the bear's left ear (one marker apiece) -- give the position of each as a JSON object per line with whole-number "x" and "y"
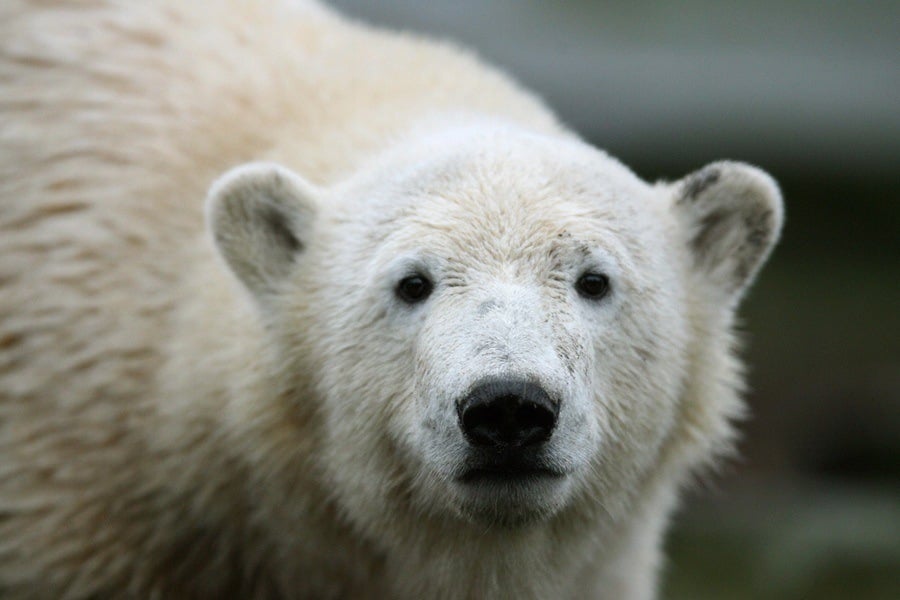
{"x": 260, "y": 216}
{"x": 732, "y": 213}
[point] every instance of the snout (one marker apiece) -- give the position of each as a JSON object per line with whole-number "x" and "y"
{"x": 507, "y": 414}
{"x": 510, "y": 473}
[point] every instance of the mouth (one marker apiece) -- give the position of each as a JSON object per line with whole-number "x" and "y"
{"x": 510, "y": 493}
{"x": 508, "y": 472}
{"x": 506, "y": 475}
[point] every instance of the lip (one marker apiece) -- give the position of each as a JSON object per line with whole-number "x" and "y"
{"x": 507, "y": 474}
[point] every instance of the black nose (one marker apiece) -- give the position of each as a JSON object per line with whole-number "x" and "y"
{"x": 507, "y": 413}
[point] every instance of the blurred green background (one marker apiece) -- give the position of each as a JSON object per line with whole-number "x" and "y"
{"x": 810, "y": 91}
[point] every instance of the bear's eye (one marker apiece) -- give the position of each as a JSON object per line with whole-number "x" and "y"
{"x": 593, "y": 286}
{"x": 414, "y": 288}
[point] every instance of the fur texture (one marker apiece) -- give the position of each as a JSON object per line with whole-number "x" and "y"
{"x": 245, "y": 408}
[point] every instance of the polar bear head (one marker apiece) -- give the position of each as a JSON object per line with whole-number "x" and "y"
{"x": 495, "y": 326}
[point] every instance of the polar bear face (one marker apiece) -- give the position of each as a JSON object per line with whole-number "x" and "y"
{"x": 494, "y": 326}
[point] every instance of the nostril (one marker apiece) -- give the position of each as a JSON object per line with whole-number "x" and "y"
{"x": 507, "y": 414}
{"x": 484, "y": 423}
{"x": 536, "y": 423}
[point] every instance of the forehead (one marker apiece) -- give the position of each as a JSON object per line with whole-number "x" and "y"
{"x": 503, "y": 195}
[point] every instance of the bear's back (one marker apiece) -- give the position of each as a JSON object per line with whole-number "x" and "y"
{"x": 114, "y": 119}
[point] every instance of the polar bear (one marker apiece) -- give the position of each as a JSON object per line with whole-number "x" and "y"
{"x": 293, "y": 307}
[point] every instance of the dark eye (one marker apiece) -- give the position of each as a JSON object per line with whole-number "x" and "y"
{"x": 414, "y": 288}
{"x": 593, "y": 286}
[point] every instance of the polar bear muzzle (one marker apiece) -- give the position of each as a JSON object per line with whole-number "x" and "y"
{"x": 507, "y": 414}
{"x": 507, "y": 423}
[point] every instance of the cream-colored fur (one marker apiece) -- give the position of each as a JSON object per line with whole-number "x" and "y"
{"x": 244, "y": 408}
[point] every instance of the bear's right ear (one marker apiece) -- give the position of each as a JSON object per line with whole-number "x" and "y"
{"x": 259, "y": 215}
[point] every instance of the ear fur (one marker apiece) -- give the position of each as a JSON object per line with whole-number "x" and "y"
{"x": 733, "y": 214}
{"x": 259, "y": 215}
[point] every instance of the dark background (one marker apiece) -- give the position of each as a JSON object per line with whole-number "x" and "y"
{"x": 809, "y": 91}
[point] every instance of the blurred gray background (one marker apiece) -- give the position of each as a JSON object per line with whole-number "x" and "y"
{"x": 810, "y": 91}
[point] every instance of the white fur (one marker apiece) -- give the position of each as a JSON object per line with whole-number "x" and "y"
{"x": 250, "y": 410}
